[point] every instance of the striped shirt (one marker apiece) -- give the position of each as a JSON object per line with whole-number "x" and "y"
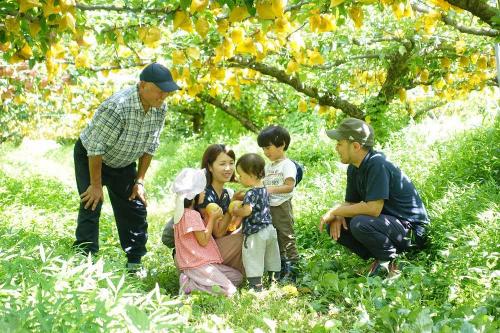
{"x": 121, "y": 131}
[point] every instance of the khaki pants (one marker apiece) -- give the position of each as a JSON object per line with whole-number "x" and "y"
{"x": 283, "y": 221}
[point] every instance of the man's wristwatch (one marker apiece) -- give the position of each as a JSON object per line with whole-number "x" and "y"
{"x": 138, "y": 182}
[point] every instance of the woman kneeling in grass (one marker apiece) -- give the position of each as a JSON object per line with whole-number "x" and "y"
{"x": 197, "y": 255}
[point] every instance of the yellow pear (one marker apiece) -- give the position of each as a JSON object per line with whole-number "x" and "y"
{"x": 25, "y": 52}
{"x": 402, "y": 94}
{"x": 278, "y": 7}
{"x": 182, "y": 21}
{"x": 212, "y": 208}
{"x": 198, "y": 6}
{"x": 222, "y": 26}
{"x": 302, "y": 106}
{"x": 238, "y": 14}
{"x": 234, "y": 204}
{"x": 67, "y": 21}
{"x": 356, "y": 14}
{"x": 292, "y": 67}
{"x": 178, "y": 57}
{"x": 482, "y": 62}
{"x": 265, "y": 10}
{"x": 202, "y": 27}
{"x": 25, "y": 5}
{"x": 49, "y": 8}
{"x": 335, "y": 3}
{"x": 424, "y": 75}
{"x": 237, "y": 35}
{"x": 445, "y": 62}
{"x": 34, "y": 28}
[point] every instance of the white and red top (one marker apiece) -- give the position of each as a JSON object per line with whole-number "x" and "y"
{"x": 189, "y": 253}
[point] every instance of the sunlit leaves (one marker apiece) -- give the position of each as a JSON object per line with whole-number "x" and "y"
{"x": 25, "y": 5}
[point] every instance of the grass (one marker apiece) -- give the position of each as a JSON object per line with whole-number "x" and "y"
{"x": 452, "y": 286}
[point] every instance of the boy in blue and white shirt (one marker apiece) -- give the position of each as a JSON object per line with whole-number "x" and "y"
{"x": 279, "y": 180}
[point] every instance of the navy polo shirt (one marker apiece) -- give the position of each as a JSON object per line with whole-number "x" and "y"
{"x": 376, "y": 179}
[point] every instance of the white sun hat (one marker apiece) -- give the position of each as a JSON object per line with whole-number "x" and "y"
{"x": 187, "y": 184}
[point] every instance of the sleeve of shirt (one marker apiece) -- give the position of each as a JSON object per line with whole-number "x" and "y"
{"x": 192, "y": 222}
{"x": 289, "y": 170}
{"x": 105, "y": 129}
{"x": 377, "y": 182}
{"x": 351, "y": 192}
{"x": 156, "y": 141}
{"x": 250, "y": 198}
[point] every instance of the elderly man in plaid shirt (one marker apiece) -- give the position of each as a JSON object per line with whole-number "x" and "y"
{"x": 125, "y": 128}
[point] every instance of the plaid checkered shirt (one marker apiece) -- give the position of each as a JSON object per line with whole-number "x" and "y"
{"x": 121, "y": 132}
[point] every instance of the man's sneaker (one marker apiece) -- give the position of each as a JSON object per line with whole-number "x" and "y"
{"x": 394, "y": 269}
{"x": 288, "y": 271}
{"x": 133, "y": 267}
{"x": 380, "y": 268}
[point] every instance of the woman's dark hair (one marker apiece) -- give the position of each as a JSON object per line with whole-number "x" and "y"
{"x": 252, "y": 164}
{"x": 274, "y": 135}
{"x": 211, "y": 154}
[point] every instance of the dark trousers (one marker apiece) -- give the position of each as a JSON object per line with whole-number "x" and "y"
{"x": 130, "y": 216}
{"x": 375, "y": 237}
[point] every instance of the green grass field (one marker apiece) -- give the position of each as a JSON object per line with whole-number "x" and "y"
{"x": 451, "y": 287}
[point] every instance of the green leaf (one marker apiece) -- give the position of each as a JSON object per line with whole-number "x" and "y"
{"x": 424, "y": 322}
{"x": 138, "y": 317}
{"x": 184, "y": 4}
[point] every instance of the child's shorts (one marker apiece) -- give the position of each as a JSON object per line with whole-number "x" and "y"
{"x": 261, "y": 253}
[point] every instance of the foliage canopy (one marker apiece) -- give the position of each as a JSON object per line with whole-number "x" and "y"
{"x": 385, "y": 61}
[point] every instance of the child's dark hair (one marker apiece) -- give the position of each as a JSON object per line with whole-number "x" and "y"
{"x": 252, "y": 164}
{"x": 189, "y": 203}
{"x": 274, "y": 135}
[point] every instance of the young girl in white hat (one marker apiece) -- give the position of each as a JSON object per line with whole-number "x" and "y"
{"x": 197, "y": 255}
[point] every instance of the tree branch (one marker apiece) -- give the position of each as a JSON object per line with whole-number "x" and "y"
{"x": 343, "y": 61}
{"x": 451, "y": 22}
{"x": 423, "y": 111}
{"x": 111, "y": 8}
{"x": 398, "y": 69}
{"x": 479, "y": 8}
{"x": 247, "y": 123}
{"x": 327, "y": 98}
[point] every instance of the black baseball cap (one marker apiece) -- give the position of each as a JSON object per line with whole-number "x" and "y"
{"x": 160, "y": 76}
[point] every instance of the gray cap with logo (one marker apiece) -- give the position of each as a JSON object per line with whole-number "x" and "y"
{"x": 355, "y": 130}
